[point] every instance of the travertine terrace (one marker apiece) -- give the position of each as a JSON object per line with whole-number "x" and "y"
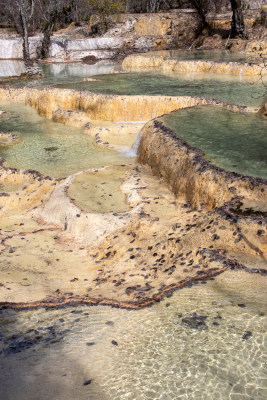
{"x": 166, "y": 64}
{"x": 165, "y": 239}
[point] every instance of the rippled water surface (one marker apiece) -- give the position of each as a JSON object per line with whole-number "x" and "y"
{"x": 48, "y": 147}
{"x": 231, "y": 140}
{"x": 206, "y": 342}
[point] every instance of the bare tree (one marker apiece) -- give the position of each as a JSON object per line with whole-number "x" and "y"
{"x": 20, "y": 12}
{"x": 145, "y": 6}
{"x": 51, "y": 11}
{"x": 202, "y": 7}
{"x": 25, "y": 9}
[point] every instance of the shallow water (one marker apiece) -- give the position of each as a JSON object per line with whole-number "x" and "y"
{"x": 241, "y": 90}
{"x": 48, "y": 147}
{"x": 234, "y": 141}
{"x": 211, "y": 55}
{"x": 7, "y": 187}
{"x": 232, "y": 89}
{"x": 56, "y": 72}
{"x": 99, "y": 191}
{"x": 206, "y": 342}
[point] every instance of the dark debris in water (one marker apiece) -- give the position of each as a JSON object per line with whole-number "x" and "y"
{"x": 52, "y": 148}
{"x": 247, "y": 335}
{"x": 20, "y": 342}
{"x": 195, "y": 321}
{"x": 110, "y": 323}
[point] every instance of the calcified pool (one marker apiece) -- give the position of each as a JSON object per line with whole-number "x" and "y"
{"x": 55, "y": 72}
{"x": 48, "y": 147}
{"x": 233, "y": 89}
{"x": 234, "y": 141}
{"x": 203, "y": 342}
{"x": 211, "y": 55}
{"x": 206, "y": 342}
{"x": 100, "y": 191}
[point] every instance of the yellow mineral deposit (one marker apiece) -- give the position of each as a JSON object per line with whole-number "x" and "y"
{"x": 120, "y": 229}
{"x": 166, "y": 64}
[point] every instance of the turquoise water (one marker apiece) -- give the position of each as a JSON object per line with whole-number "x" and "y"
{"x": 212, "y": 55}
{"x": 48, "y": 147}
{"x": 232, "y": 89}
{"x": 234, "y": 141}
{"x": 241, "y": 90}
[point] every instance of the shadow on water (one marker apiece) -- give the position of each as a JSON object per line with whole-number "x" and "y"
{"x": 202, "y": 342}
{"x": 35, "y": 361}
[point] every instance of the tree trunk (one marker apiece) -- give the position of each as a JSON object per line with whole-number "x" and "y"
{"x": 201, "y": 10}
{"x": 153, "y": 5}
{"x": 26, "y": 47}
{"x": 237, "y": 25}
{"x": 23, "y": 22}
{"x": 43, "y": 52}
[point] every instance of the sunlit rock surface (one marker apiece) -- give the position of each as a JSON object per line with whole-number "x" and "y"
{"x": 63, "y": 49}
{"x": 130, "y": 257}
{"x": 171, "y": 65}
{"x": 103, "y": 107}
{"x": 147, "y": 246}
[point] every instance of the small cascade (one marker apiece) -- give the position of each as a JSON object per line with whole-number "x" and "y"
{"x": 133, "y": 150}
{"x": 137, "y": 142}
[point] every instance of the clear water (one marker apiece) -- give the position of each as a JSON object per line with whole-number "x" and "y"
{"x": 232, "y": 89}
{"x": 48, "y": 147}
{"x": 234, "y": 141}
{"x": 101, "y": 353}
{"x": 56, "y": 72}
{"x": 212, "y": 55}
{"x": 99, "y": 191}
{"x": 157, "y": 353}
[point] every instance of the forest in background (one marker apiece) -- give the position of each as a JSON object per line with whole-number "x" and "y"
{"x": 45, "y": 16}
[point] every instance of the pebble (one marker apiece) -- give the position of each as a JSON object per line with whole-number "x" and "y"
{"x": 247, "y": 335}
